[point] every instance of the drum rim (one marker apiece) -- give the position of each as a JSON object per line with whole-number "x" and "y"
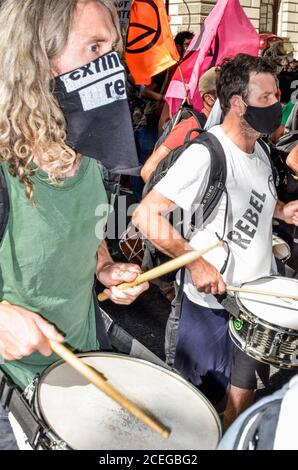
{"x": 260, "y": 319}
{"x": 265, "y": 323}
{"x": 258, "y": 356}
{"x": 175, "y": 375}
{"x": 251, "y": 353}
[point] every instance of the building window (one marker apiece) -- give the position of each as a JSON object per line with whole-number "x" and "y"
{"x": 268, "y": 16}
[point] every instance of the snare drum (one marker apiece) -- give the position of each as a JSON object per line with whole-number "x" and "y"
{"x": 79, "y": 416}
{"x": 267, "y": 327}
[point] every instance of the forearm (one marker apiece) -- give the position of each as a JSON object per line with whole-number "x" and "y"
{"x": 278, "y": 212}
{"x": 150, "y": 219}
{"x": 164, "y": 117}
{"x": 156, "y": 228}
{"x": 110, "y": 274}
{"x": 152, "y": 162}
{"x": 103, "y": 257}
{"x": 162, "y": 234}
{"x": 152, "y": 95}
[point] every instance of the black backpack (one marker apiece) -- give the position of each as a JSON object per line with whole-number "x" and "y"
{"x": 133, "y": 239}
{"x": 184, "y": 112}
{"x": 215, "y": 188}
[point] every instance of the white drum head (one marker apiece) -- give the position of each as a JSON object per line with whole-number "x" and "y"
{"x": 278, "y": 311}
{"x": 85, "y": 418}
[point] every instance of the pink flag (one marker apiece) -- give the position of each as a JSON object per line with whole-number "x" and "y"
{"x": 225, "y": 32}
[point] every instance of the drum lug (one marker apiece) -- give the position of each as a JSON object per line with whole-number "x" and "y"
{"x": 275, "y": 344}
{"x": 57, "y": 445}
{"x": 30, "y": 390}
{"x": 250, "y": 318}
{"x": 47, "y": 440}
{"x": 294, "y": 357}
{"x": 250, "y": 334}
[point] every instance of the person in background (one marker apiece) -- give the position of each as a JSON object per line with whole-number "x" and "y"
{"x": 182, "y": 41}
{"x": 145, "y": 103}
{"x": 205, "y": 355}
{"x": 207, "y": 89}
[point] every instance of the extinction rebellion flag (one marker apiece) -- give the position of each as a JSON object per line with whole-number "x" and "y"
{"x": 150, "y": 47}
{"x": 226, "y": 32}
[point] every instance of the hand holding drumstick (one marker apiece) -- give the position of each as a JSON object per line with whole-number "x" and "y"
{"x": 217, "y": 286}
{"x": 23, "y": 332}
{"x": 52, "y": 339}
{"x": 165, "y": 268}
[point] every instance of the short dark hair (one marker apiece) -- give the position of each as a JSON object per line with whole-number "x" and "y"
{"x": 234, "y": 74}
{"x": 180, "y": 37}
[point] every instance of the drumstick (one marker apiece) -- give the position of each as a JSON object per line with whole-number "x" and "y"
{"x": 98, "y": 379}
{"x": 165, "y": 268}
{"x": 261, "y": 292}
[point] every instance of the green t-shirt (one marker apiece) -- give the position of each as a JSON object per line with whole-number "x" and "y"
{"x": 286, "y": 111}
{"x": 48, "y": 258}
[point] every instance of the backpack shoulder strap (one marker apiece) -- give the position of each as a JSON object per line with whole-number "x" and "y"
{"x": 4, "y": 204}
{"x": 200, "y": 117}
{"x": 217, "y": 178}
{"x": 198, "y": 130}
{"x": 165, "y": 164}
{"x": 266, "y": 149}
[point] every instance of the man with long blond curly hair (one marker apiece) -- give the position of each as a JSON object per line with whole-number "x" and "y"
{"x": 51, "y": 250}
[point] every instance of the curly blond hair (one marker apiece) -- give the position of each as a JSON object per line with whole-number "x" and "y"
{"x": 32, "y": 34}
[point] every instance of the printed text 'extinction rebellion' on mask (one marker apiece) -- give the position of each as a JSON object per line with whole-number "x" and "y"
{"x": 94, "y": 102}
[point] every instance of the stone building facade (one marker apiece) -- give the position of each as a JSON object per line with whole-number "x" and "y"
{"x": 277, "y": 16}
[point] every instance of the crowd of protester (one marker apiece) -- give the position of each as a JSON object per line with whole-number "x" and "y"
{"x": 48, "y": 259}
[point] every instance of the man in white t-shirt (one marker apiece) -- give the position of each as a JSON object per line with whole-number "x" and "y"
{"x": 247, "y": 92}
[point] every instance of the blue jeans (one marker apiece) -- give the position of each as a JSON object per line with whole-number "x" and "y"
{"x": 145, "y": 138}
{"x": 7, "y": 439}
{"x": 204, "y": 349}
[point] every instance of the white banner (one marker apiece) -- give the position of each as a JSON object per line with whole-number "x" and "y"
{"x": 123, "y": 7}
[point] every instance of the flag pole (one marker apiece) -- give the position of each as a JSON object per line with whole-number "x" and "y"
{"x": 167, "y": 3}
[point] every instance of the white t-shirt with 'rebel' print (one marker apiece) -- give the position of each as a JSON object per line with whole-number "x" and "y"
{"x": 251, "y": 203}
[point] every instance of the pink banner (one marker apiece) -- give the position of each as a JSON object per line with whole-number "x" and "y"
{"x": 225, "y": 32}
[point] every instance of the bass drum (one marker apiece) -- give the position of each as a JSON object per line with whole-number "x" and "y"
{"x": 79, "y": 416}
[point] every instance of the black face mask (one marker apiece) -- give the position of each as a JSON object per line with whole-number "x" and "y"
{"x": 264, "y": 120}
{"x": 94, "y": 102}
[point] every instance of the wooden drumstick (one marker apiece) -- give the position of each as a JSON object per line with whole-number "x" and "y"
{"x": 165, "y": 268}
{"x": 98, "y": 379}
{"x": 261, "y": 292}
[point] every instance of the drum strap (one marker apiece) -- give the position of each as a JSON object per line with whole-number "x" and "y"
{"x": 178, "y": 300}
{"x": 101, "y": 327}
{"x": 229, "y": 304}
{"x": 11, "y": 399}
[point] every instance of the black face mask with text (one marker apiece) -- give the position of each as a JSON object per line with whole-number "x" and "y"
{"x": 94, "y": 102}
{"x": 264, "y": 120}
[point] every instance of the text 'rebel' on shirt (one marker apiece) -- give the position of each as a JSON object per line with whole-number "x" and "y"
{"x": 251, "y": 203}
